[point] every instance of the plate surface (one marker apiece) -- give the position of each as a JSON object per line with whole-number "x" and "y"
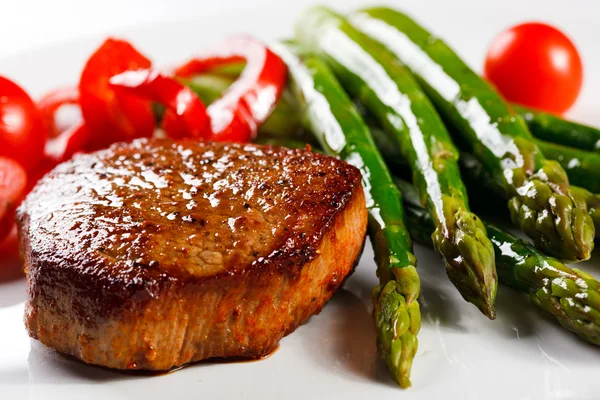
{"x": 521, "y": 355}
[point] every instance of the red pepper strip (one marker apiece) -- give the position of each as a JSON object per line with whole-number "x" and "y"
{"x": 59, "y": 149}
{"x": 13, "y": 183}
{"x": 62, "y": 143}
{"x": 51, "y": 103}
{"x": 186, "y": 115}
{"x": 110, "y": 118}
{"x": 206, "y": 63}
{"x": 250, "y": 100}
{"x": 66, "y": 144}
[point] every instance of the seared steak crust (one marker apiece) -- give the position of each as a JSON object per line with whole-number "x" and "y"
{"x": 157, "y": 253}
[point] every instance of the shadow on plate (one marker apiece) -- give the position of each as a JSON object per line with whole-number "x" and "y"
{"x": 12, "y": 293}
{"x": 47, "y": 366}
{"x": 437, "y": 299}
{"x": 12, "y": 278}
{"x": 11, "y": 268}
{"x": 342, "y": 339}
{"x": 510, "y": 307}
{"x": 441, "y": 303}
{"x": 517, "y": 318}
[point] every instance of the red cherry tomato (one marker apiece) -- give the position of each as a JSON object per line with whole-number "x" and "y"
{"x": 536, "y": 65}
{"x": 13, "y": 183}
{"x": 111, "y": 118}
{"x": 22, "y": 133}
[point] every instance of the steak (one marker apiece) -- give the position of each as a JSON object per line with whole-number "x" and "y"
{"x": 157, "y": 253}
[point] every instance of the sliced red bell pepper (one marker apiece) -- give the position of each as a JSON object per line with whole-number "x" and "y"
{"x": 13, "y": 183}
{"x": 67, "y": 143}
{"x": 59, "y": 149}
{"x": 63, "y": 142}
{"x": 250, "y": 100}
{"x": 110, "y": 118}
{"x": 185, "y": 116}
{"x": 54, "y": 101}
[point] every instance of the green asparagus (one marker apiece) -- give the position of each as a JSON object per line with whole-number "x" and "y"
{"x": 540, "y": 199}
{"x": 554, "y": 129}
{"x": 582, "y": 167}
{"x": 569, "y": 295}
{"x": 485, "y": 190}
{"x": 390, "y": 93}
{"x": 331, "y": 116}
{"x": 592, "y": 201}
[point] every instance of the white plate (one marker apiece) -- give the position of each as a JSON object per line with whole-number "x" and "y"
{"x": 521, "y": 355}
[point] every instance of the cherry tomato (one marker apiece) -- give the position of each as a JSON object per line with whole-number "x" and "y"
{"x": 13, "y": 183}
{"x": 536, "y": 65}
{"x": 111, "y": 118}
{"x": 22, "y": 133}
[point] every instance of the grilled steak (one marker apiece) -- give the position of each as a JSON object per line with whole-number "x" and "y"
{"x": 157, "y": 253}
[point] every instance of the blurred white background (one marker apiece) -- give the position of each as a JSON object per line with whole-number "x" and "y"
{"x": 25, "y": 24}
{"x": 28, "y": 26}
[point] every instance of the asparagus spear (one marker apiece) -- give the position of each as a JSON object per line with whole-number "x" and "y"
{"x": 554, "y": 129}
{"x": 209, "y": 87}
{"x": 540, "y": 199}
{"x": 593, "y": 203}
{"x": 391, "y": 94}
{"x": 582, "y": 167}
{"x": 569, "y": 295}
{"x": 482, "y": 187}
{"x": 340, "y": 130}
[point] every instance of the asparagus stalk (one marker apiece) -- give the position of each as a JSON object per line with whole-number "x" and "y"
{"x": 593, "y": 203}
{"x": 482, "y": 187}
{"x": 540, "y": 199}
{"x": 209, "y": 87}
{"x": 554, "y": 129}
{"x": 571, "y": 296}
{"x": 339, "y": 128}
{"x": 390, "y": 93}
{"x": 582, "y": 167}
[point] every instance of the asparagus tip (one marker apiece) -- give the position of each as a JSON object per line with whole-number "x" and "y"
{"x": 486, "y": 305}
{"x": 482, "y": 294}
{"x": 397, "y": 320}
{"x": 554, "y": 217}
{"x": 571, "y": 296}
{"x": 470, "y": 260}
